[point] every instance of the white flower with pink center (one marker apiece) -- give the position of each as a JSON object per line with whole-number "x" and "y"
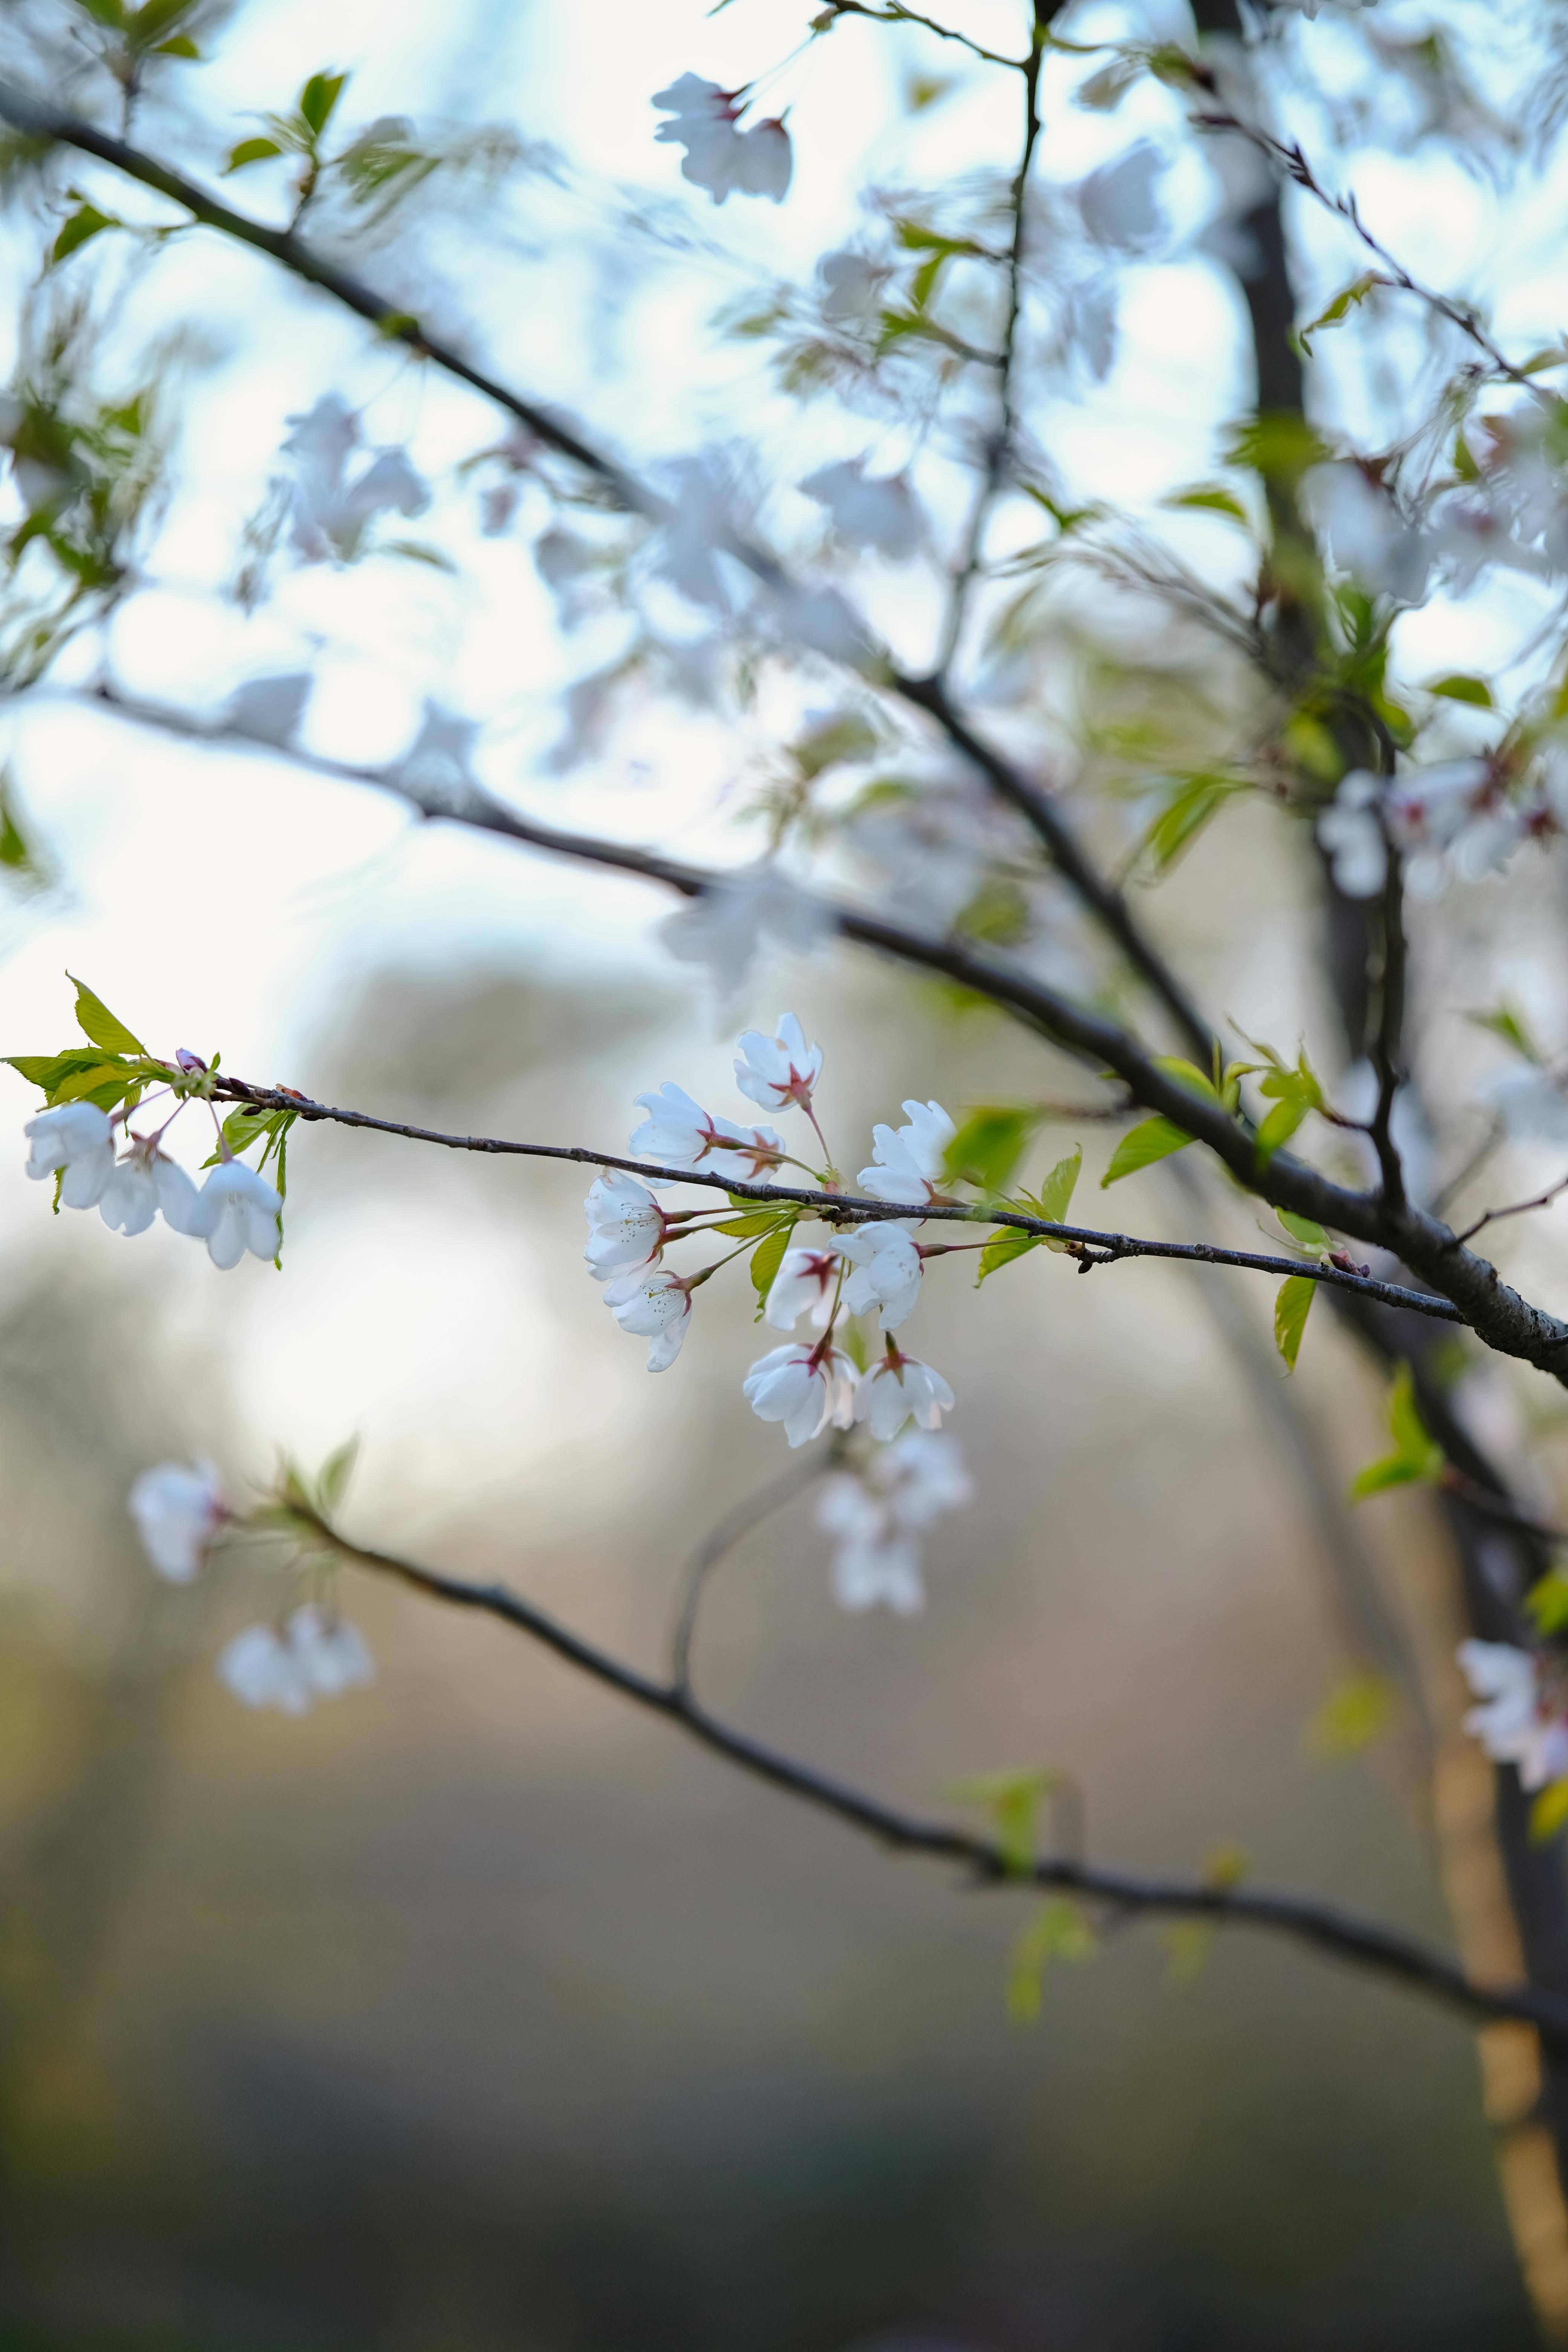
{"x": 778, "y": 1070}
{"x": 1519, "y": 1722}
{"x": 910, "y": 1162}
{"x": 681, "y": 1134}
{"x": 887, "y": 1272}
{"x": 899, "y": 1389}
{"x": 655, "y": 1306}
{"x": 806, "y": 1278}
{"x": 719, "y": 157}
{"x": 625, "y": 1226}
{"x": 805, "y": 1388}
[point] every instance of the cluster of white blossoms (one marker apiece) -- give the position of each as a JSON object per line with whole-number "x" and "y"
{"x": 1456, "y": 818}
{"x": 235, "y": 1211}
{"x": 179, "y": 1513}
{"x": 875, "y": 1265}
{"x": 879, "y": 1512}
{"x": 719, "y": 157}
{"x": 1523, "y": 1717}
{"x": 328, "y": 511}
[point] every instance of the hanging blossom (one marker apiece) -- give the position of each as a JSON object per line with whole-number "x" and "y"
{"x": 655, "y": 1306}
{"x": 732, "y": 920}
{"x": 243, "y": 1210}
{"x": 908, "y": 1162}
{"x": 868, "y": 511}
{"x": 805, "y": 1388}
{"x": 778, "y": 1070}
{"x": 142, "y": 1182}
{"x": 719, "y": 157}
{"x": 887, "y": 1265}
{"x": 1118, "y": 204}
{"x": 899, "y": 1389}
{"x": 1366, "y": 534}
{"x": 77, "y": 1139}
{"x": 1523, "y": 1719}
{"x": 878, "y": 1511}
{"x": 178, "y": 1513}
{"x": 328, "y": 513}
{"x": 805, "y": 1278}
{"x": 288, "y": 1668}
{"x": 852, "y": 288}
{"x": 681, "y": 1134}
{"x": 1455, "y": 817}
{"x": 625, "y": 1226}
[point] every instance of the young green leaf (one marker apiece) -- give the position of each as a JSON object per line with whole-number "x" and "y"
{"x": 1058, "y": 1931}
{"x": 1355, "y": 1713}
{"x": 84, "y": 222}
{"x": 319, "y": 96}
{"x": 1507, "y": 1022}
{"x": 1414, "y": 1457}
{"x": 768, "y": 1257}
{"x": 1291, "y": 1309}
{"x": 1209, "y": 498}
{"x": 989, "y": 1146}
{"x": 1547, "y": 1601}
{"x": 94, "y": 1019}
{"x": 334, "y": 1476}
{"x": 1548, "y": 1812}
{"x": 1054, "y": 1198}
{"x": 1152, "y": 1139}
{"x": 1002, "y": 1249}
{"x": 250, "y": 150}
{"x": 1012, "y": 1799}
{"x": 1349, "y": 299}
{"x": 1193, "y": 800}
{"x": 1459, "y": 685}
{"x": 1303, "y": 1230}
{"x": 743, "y": 1229}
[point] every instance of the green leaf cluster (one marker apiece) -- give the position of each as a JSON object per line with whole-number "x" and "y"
{"x": 114, "y": 1068}
{"x": 1050, "y": 1205}
{"x": 298, "y": 133}
{"x": 151, "y": 30}
{"x": 1357, "y": 1711}
{"x": 1415, "y": 1456}
{"x": 1011, "y": 1801}
{"x": 1350, "y": 298}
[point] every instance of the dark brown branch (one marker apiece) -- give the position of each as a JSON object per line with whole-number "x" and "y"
{"x": 1390, "y": 1029}
{"x": 1323, "y": 1926}
{"x": 1092, "y": 1246}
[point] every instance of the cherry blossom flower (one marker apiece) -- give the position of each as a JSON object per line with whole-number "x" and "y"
{"x": 868, "y": 511}
{"x": 1531, "y": 1105}
{"x": 805, "y": 1278}
{"x": 625, "y": 1226}
{"x": 243, "y": 1210}
{"x": 1366, "y": 534}
{"x": 887, "y": 1273}
{"x": 681, "y": 1134}
{"x": 820, "y": 619}
{"x": 655, "y": 1306}
{"x": 853, "y": 288}
{"x": 268, "y": 709}
{"x": 732, "y": 920}
{"x": 141, "y": 1183}
{"x": 76, "y": 1136}
{"x": 311, "y": 1656}
{"x": 177, "y": 1512}
{"x": 1518, "y": 1723}
{"x": 909, "y": 1160}
{"x": 899, "y": 1389}
{"x": 805, "y": 1388}
{"x": 331, "y": 513}
{"x": 754, "y": 163}
{"x": 1117, "y": 202}
{"x": 778, "y": 1070}
{"x": 1352, "y": 832}
{"x": 878, "y": 1511}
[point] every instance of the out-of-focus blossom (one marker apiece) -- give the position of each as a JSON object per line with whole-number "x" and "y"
{"x": 778, "y": 1070}
{"x": 852, "y": 288}
{"x": 909, "y": 1160}
{"x": 655, "y": 1306}
{"x": 625, "y": 1226}
{"x": 329, "y": 512}
{"x": 141, "y": 1183}
{"x": 311, "y": 1656}
{"x": 1366, "y": 534}
{"x": 899, "y": 1389}
{"x": 887, "y": 1272}
{"x": 703, "y": 514}
{"x": 732, "y": 920}
{"x": 870, "y": 512}
{"x": 805, "y": 1278}
{"x": 1118, "y": 204}
{"x": 437, "y": 761}
{"x": 678, "y": 1133}
{"x": 1519, "y": 1722}
{"x": 177, "y": 1511}
{"x": 241, "y": 1210}
{"x": 878, "y": 1511}
{"x": 1532, "y": 1106}
{"x": 1088, "y": 324}
{"x": 1352, "y": 832}
{"x": 1449, "y": 814}
{"x": 805, "y": 1388}
{"x": 719, "y": 157}
{"x": 268, "y": 709}
{"x": 78, "y": 1138}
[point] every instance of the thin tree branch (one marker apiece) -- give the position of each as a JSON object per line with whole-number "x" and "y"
{"x": 1323, "y": 1926}
{"x": 893, "y": 14}
{"x": 1515, "y": 1209}
{"x": 721, "y": 1540}
{"x": 1088, "y": 1244}
{"x": 1390, "y": 1029}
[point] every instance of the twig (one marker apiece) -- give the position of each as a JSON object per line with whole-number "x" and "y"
{"x": 1323, "y": 1926}
{"x": 893, "y": 14}
{"x": 1390, "y": 1030}
{"x": 1515, "y": 1209}
{"x": 721, "y": 1540}
{"x": 850, "y": 1208}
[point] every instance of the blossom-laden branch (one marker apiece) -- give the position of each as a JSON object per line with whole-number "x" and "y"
{"x": 317, "y": 1653}
{"x": 1097, "y": 1247}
